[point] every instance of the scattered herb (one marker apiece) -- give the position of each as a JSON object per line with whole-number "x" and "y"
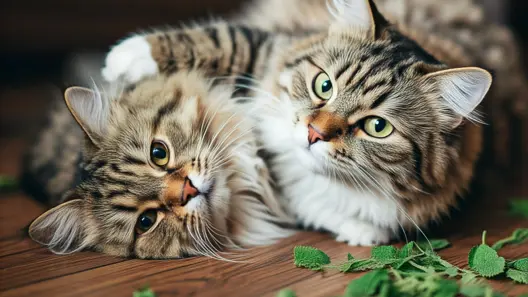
{"x": 485, "y": 261}
{"x": 145, "y": 292}
{"x": 7, "y": 183}
{"x": 518, "y": 236}
{"x": 416, "y": 270}
{"x": 309, "y": 257}
{"x": 437, "y": 244}
{"x": 286, "y": 293}
{"x": 519, "y": 208}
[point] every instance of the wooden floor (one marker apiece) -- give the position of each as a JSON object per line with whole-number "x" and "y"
{"x": 26, "y": 269}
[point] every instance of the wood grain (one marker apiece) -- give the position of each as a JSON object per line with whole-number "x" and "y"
{"x": 26, "y": 269}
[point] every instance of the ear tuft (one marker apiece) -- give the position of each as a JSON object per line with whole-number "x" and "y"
{"x": 60, "y": 228}
{"x": 462, "y": 89}
{"x": 89, "y": 109}
{"x": 361, "y": 14}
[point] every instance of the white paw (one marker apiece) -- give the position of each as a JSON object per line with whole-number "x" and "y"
{"x": 362, "y": 234}
{"x": 130, "y": 61}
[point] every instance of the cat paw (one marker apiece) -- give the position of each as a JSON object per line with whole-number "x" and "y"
{"x": 130, "y": 61}
{"x": 362, "y": 234}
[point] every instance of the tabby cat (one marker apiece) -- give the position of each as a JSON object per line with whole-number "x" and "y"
{"x": 364, "y": 131}
{"x": 171, "y": 170}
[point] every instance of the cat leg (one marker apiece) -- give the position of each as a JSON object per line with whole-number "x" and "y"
{"x": 217, "y": 49}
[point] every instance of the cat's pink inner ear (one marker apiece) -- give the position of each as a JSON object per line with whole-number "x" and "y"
{"x": 89, "y": 109}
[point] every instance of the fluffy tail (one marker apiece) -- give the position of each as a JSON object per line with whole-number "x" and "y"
{"x": 52, "y": 164}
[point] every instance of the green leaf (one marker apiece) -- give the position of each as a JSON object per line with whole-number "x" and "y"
{"x": 517, "y": 275}
{"x": 406, "y": 250}
{"x": 485, "y": 261}
{"x": 518, "y": 236}
{"x": 350, "y": 257}
{"x": 286, "y": 293}
{"x": 367, "y": 285}
{"x": 521, "y": 264}
{"x": 468, "y": 278}
{"x": 8, "y": 183}
{"x": 361, "y": 265}
{"x": 310, "y": 257}
{"x": 446, "y": 288}
{"x": 473, "y": 290}
{"x": 385, "y": 254}
{"x": 519, "y": 208}
{"x": 452, "y": 271}
{"x": 145, "y": 292}
{"x": 437, "y": 244}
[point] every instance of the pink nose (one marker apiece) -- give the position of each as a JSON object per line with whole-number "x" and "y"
{"x": 314, "y": 135}
{"x": 189, "y": 191}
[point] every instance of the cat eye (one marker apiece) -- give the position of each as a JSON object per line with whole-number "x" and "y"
{"x": 159, "y": 153}
{"x": 146, "y": 220}
{"x": 322, "y": 86}
{"x": 377, "y": 127}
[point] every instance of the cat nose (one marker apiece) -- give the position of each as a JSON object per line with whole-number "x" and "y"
{"x": 189, "y": 191}
{"x": 314, "y": 135}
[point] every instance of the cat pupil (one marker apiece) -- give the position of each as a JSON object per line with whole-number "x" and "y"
{"x": 380, "y": 125}
{"x": 327, "y": 86}
{"x": 145, "y": 222}
{"x": 159, "y": 153}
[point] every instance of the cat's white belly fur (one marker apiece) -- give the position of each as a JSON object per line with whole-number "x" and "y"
{"x": 319, "y": 200}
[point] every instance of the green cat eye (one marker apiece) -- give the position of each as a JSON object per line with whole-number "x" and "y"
{"x": 146, "y": 220}
{"x": 322, "y": 86}
{"x": 159, "y": 153}
{"x": 378, "y": 127}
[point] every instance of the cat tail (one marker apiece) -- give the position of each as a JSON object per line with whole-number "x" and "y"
{"x": 52, "y": 165}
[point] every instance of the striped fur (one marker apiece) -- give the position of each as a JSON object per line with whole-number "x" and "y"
{"x": 209, "y": 142}
{"x": 360, "y": 188}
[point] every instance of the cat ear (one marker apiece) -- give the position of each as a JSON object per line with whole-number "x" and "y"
{"x": 61, "y": 228}
{"x": 462, "y": 90}
{"x": 90, "y": 110}
{"x": 361, "y": 14}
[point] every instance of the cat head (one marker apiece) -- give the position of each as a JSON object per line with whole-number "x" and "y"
{"x": 370, "y": 103}
{"x": 158, "y": 162}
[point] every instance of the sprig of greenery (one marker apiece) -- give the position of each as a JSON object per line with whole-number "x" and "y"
{"x": 144, "y": 292}
{"x": 519, "y": 207}
{"x": 7, "y": 183}
{"x": 416, "y": 269}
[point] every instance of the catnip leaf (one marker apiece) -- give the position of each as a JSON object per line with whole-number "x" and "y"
{"x": 446, "y": 288}
{"x": 473, "y": 291}
{"x": 406, "y": 250}
{"x": 468, "y": 278}
{"x": 145, "y": 292}
{"x": 286, "y": 293}
{"x": 485, "y": 261}
{"x": 437, "y": 244}
{"x": 451, "y": 271}
{"x": 517, "y": 275}
{"x": 385, "y": 254}
{"x": 310, "y": 257}
{"x": 361, "y": 265}
{"x": 521, "y": 264}
{"x": 367, "y": 285}
{"x": 518, "y": 236}
{"x": 8, "y": 183}
{"x": 519, "y": 208}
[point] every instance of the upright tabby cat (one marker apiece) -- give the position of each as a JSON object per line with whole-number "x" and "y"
{"x": 170, "y": 170}
{"x": 364, "y": 130}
